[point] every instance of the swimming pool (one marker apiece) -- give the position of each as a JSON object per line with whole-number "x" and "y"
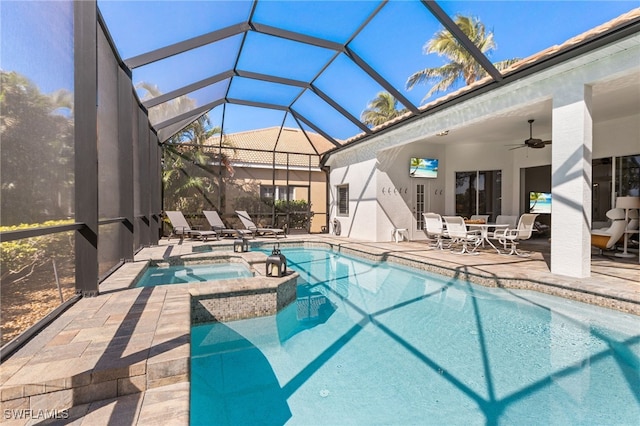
{"x": 179, "y": 274}
{"x": 373, "y": 343}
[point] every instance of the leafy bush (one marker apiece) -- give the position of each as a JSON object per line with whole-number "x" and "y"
{"x": 291, "y": 206}
{"x": 297, "y": 212}
{"x": 20, "y": 258}
{"x": 37, "y": 151}
{"x": 252, "y": 204}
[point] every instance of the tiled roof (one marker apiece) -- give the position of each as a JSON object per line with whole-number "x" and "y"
{"x": 581, "y": 38}
{"x": 288, "y": 140}
{"x": 257, "y": 146}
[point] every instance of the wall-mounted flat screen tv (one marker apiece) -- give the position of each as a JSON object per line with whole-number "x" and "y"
{"x": 423, "y": 167}
{"x": 539, "y": 202}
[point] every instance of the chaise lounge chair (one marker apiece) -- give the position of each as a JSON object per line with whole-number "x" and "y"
{"x": 216, "y": 223}
{"x": 249, "y": 225}
{"x": 181, "y": 227}
{"x": 607, "y": 238}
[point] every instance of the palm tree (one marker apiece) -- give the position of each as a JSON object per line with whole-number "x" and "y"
{"x": 31, "y": 126}
{"x": 461, "y": 66}
{"x": 416, "y": 162}
{"x": 187, "y": 173}
{"x": 168, "y": 109}
{"x": 381, "y": 109}
{"x": 196, "y": 133}
{"x": 184, "y": 151}
{"x": 534, "y": 197}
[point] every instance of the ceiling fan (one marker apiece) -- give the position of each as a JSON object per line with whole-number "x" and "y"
{"x": 531, "y": 142}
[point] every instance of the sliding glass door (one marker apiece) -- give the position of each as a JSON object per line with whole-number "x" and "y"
{"x": 613, "y": 177}
{"x": 479, "y": 192}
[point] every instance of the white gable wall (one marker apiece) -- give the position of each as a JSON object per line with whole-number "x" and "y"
{"x": 361, "y": 221}
{"x": 396, "y": 190}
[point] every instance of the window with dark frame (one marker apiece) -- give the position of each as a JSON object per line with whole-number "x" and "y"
{"x": 479, "y": 192}
{"x": 419, "y": 206}
{"x": 618, "y": 174}
{"x": 343, "y": 200}
{"x": 276, "y": 192}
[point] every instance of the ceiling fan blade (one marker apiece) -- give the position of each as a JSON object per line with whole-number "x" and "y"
{"x": 538, "y": 143}
{"x": 531, "y": 142}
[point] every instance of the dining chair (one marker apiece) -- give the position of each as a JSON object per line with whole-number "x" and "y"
{"x": 434, "y": 229}
{"x": 501, "y": 219}
{"x": 522, "y": 232}
{"x": 457, "y": 231}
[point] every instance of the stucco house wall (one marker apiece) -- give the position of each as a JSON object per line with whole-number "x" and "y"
{"x": 247, "y": 181}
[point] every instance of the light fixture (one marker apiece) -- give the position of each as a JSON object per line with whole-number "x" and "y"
{"x": 276, "y": 263}
{"x": 627, "y": 203}
{"x": 240, "y": 245}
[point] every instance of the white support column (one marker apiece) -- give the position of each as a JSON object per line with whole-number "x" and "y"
{"x": 571, "y": 155}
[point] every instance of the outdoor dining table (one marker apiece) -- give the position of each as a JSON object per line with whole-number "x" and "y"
{"x": 484, "y": 230}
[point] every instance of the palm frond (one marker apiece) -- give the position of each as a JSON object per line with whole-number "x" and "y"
{"x": 381, "y": 109}
{"x": 461, "y": 65}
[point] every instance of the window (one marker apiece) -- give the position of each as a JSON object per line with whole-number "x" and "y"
{"x": 276, "y": 192}
{"x": 613, "y": 177}
{"x": 601, "y": 175}
{"x": 343, "y": 200}
{"x": 479, "y": 192}
{"x": 628, "y": 176}
{"x": 419, "y": 206}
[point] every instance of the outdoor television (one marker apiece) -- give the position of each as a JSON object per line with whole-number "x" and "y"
{"x": 539, "y": 202}
{"x": 423, "y": 167}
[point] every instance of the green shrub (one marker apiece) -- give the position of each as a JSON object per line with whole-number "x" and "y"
{"x": 19, "y": 257}
{"x": 291, "y": 206}
{"x": 252, "y": 204}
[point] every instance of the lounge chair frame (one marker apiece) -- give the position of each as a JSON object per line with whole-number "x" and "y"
{"x": 216, "y": 223}
{"x": 180, "y": 227}
{"x": 248, "y": 223}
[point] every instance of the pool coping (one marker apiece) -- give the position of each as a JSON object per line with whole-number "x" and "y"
{"x": 589, "y": 292}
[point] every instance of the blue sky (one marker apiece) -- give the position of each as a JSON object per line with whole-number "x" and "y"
{"x": 37, "y": 42}
{"x": 391, "y": 43}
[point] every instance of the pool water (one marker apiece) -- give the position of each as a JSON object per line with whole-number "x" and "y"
{"x": 157, "y": 275}
{"x": 372, "y": 343}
